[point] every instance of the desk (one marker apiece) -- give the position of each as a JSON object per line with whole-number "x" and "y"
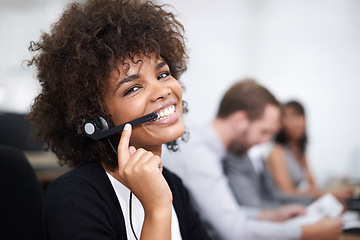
{"x": 340, "y": 182}
{"x": 46, "y": 166}
{"x": 349, "y": 237}
{"x": 334, "y": 183}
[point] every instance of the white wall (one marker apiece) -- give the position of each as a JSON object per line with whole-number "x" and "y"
{"x": 21, "y": 21}
{"x": 303, "y": 49}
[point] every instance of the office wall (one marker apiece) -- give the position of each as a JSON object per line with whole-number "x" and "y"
{"x": 307, "y": 50}
{"x": 21, "y": 21}
{"x": 304, "y": 50}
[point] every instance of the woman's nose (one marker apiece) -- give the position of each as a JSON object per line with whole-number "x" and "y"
{"x": 160, "y": 90}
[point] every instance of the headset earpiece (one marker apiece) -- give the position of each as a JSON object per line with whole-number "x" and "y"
{"x": 103, "y": 124}
{"x": 91, "y": 126}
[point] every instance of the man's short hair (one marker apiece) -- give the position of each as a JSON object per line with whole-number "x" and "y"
{"x": 246, "y": 95}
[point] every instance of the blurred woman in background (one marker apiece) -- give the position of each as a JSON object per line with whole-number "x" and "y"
{"x": 288, "y": 161}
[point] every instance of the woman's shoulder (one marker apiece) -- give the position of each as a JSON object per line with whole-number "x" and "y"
{"x": 277, "y": 149}
{"x": 90, "y": 178}
{"x": 83, "y": 193}
{"x": 80, "y": 173}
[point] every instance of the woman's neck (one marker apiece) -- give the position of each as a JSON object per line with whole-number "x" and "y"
{"x": 155, "y": 149}
{"x": 294, "y": 144}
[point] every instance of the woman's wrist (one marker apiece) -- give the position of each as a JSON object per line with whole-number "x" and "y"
{"x": 157, "y": 223}
{"x": 158, "y": 212}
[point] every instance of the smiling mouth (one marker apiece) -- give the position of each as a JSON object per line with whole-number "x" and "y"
{"x": 165, "y": 113}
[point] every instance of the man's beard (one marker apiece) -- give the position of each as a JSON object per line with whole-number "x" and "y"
{"x": 239, "y": 144}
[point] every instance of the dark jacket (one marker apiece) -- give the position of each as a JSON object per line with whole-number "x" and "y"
{"x": 82, "y": 204}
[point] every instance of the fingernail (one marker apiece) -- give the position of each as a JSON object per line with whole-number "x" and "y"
{"x": 127, "y": 126}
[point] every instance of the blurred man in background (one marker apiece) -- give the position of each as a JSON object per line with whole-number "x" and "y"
{"x": 245, "y": 118}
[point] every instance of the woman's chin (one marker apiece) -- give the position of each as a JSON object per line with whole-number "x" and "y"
{"x": 174, "y": 132}
{"x": 172, "y": 136}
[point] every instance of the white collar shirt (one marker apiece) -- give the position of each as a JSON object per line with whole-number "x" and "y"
{"x": 123, "y": 195}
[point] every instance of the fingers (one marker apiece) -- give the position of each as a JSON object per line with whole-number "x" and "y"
{"x": 136, "y": 165}
{"x": 124, "y": 152}
{"x": 132, "y": 150}
{"x": 299, "y": 210}
{"x": 143, "y": 160}
{"x": 140, "y": 155}
{"x": 293, "y": 209}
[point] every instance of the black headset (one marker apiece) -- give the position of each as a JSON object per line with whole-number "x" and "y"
{"x": 99, "y": 128}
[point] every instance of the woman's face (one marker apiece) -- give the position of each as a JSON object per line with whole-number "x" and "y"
{"x": 146, "y": 86}
{"x": 293, "y": 123}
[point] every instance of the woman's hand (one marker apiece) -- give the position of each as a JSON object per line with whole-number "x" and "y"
{"x": 282, "y": 213}
{"x": 141, "y": 172}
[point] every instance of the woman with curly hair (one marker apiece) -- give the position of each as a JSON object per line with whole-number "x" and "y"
{"x": 113, "y": 61}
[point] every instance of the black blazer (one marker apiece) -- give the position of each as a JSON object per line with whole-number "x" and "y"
{"x": 82, "y": 204}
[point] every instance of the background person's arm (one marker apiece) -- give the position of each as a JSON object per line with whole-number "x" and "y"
{"x": 341, "y": 193}
{"x": 325, "y": 229}
{"x": 277, "y": 165}
{"x": 207, "y": 184}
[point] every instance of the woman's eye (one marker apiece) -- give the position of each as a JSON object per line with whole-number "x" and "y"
{"x": 163, "y": 75}
{"x": 132, "y": 89}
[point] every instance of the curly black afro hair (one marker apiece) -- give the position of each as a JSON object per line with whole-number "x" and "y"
{"x": 75, "y": 58}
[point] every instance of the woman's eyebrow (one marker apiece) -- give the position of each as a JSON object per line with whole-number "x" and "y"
{"x": 160, "y": 65}
{"x": 125, "y": 80}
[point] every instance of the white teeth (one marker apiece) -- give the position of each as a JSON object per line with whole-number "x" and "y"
{"x": 165, "y": 113}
